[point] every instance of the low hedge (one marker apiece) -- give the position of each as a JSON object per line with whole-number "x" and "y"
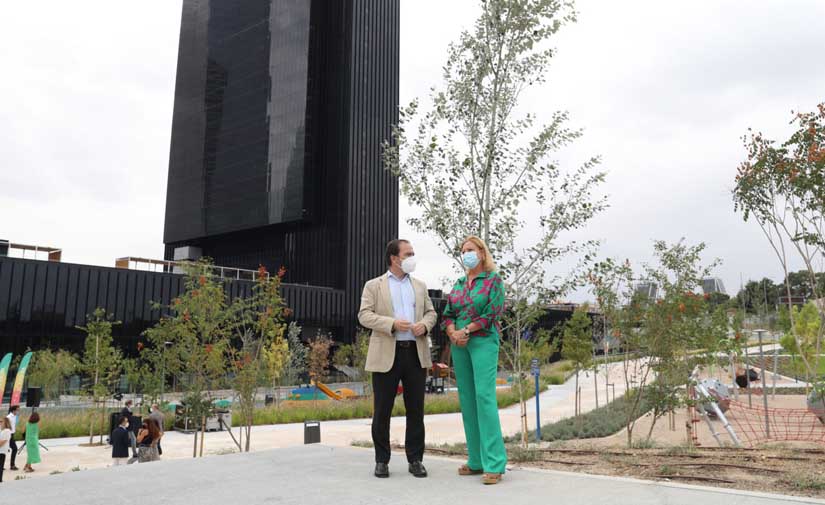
{"x": 601, "y": 422}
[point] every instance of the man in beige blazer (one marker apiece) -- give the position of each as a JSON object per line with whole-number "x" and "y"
{"x": 398, "y": 310}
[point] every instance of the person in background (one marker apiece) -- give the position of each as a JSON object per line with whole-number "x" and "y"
{"x": 121, "y": 442}
{"x": 148, "y": 438}
{"x": 13, "y": 417}
{"x": 32, "y": 442}
{"x": 157, "y": 416}
{"x": 127, "y": 412}
{"x": 5, "y": 443}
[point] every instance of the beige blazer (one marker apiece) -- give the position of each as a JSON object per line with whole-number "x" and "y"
{"x": 377, "y": 314}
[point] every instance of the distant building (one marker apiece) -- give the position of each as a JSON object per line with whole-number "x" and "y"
{"x": 713, "y": 285}
{"x": 281, "y": 109}
{"x": 646, "y": 289}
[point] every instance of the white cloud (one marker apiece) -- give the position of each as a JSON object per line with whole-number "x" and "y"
{"x": 664, "y": 91}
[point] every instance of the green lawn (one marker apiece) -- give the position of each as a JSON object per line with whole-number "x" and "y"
{"x": 61, "y": 423}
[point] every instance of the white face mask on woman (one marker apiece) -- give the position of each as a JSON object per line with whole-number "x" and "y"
{"x": 408, "y": 265}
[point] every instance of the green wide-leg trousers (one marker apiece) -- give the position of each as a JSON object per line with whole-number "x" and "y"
{"x": 475, "y": 371}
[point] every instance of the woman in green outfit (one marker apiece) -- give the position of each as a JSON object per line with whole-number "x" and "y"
{"x": 32, "y": 442}
{"x": 471, "y": 320}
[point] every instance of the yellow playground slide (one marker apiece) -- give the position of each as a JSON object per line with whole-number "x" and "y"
{"x": 335, "y": 395}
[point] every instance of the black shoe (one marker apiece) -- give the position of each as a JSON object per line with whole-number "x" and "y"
{"x": 13, "y": 468}
{"x": 417, "y": 469}
{"x": 382, "y": 471}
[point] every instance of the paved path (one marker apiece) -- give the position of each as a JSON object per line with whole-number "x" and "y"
{"x": 311, "y": 475}
{"x": 556, "y": 403}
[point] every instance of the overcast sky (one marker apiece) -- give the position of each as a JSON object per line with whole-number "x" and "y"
{"x": 663, "y": 91}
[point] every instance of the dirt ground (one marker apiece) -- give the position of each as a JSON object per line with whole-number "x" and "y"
{"x": 786, "y": 467}
{"x": 748, "y": 427}
{"x": 773, "y": 469}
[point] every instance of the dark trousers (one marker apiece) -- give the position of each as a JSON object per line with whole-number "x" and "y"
{"x": 13, "y": 446}
{"x": 2, "y": 464}
{"x": 405, "y": 369}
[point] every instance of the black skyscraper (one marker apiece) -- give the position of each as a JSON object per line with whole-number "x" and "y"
{"x": 281, "y": 107}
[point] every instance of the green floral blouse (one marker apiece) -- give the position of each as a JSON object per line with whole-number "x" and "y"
{"x": 481, "y": 302}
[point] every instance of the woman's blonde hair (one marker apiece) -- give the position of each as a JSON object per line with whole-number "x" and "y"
{"x": 487, "y": 263}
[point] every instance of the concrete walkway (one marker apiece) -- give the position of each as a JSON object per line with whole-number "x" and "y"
{"x": 315, "y": 474}
{"x": 556, "y": 403}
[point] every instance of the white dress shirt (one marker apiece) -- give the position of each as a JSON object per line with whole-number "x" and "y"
{"x": 403, "y": 303}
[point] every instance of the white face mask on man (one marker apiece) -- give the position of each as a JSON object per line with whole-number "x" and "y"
{"x": 408, "y": 265}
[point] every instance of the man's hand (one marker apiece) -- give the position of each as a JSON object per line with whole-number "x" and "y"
{"x": 401, "y": 325}
{"x": 419, "y": 329}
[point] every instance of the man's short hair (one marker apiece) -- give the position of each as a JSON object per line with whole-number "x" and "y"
{"x": 123, "y": 418}
{"x": 394, "y": 249}
{"x": 128, "y": 402}
{"x": 14, "y": 408}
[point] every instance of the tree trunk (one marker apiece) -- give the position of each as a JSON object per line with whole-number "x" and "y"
{"x": 576, "y": 406}
{"x": 102, "y": 422}
{"x": 652, "y": 425}
{"x": 203, "y": 434}
{"x": 195, "y": 444}
{"x": 91, "y": 428}
{"x": 596, "y": 385}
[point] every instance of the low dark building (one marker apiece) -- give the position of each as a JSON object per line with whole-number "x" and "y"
{"x": 43, "y": 302}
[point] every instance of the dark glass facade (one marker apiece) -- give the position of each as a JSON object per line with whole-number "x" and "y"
{"x": 281, "y": 107}
{"x": 42, "y": 303}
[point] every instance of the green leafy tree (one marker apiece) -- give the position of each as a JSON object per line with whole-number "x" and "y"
{"x": 101, "y": 363}
{"x": 781, "y": 186}
{"x": 670, "y": 334}
{"x": 343, "y": 356}
{"x": 577, "y": 345}
{"x": 50, "y": 369}
{"x": 318, "y": 358}
{"x": 806, "y": 330}
{"x": 197, "y": 330}
{"x": 473, "y": 164}
{"x": 276, "y": 359}
{"x": 296, "y": 365}
{"x": 257, "y": 322}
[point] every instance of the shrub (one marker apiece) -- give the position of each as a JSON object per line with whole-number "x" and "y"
{"x": 601, "y": 422}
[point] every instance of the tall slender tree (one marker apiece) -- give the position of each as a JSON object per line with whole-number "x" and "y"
{"x": 474, "y": 164}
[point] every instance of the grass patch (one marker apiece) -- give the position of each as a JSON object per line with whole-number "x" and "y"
{"x": 679, "y": 450}
{"x": 366, "y": 444}
{"x": 518, "y": 454}
{"x": 74, "y": 422}
{"x": 361, "y": 408}
{"x": 601, "y": 422}
{"x": 806, "y": 482}
{"x": 667, "y": 470}
{"x": 61, "y": 423}
{"x": 643, "y": 443}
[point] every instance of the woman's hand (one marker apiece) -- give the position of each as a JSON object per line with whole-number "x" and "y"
{"x": 462, "y": 336}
